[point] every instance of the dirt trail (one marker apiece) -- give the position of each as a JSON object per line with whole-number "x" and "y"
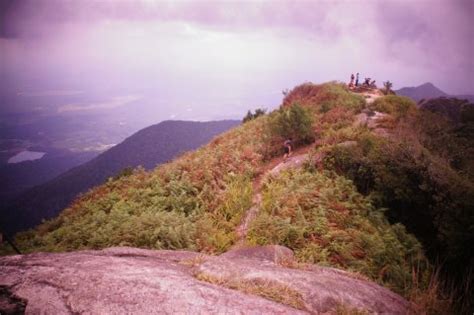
{"x": 275, "y": 166}
{"x": 371, "y": 96}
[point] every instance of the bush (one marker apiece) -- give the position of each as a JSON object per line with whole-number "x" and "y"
{"x": 324, "y": 97}
{"x": 127, "y": 171}
{"x": 399, "y": 106}
{"x": 294, "y": 122}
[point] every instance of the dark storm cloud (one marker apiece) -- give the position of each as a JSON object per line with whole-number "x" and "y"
{"x": 29, "y": 18}
{"x": 432, "y": 34}
{"x": 408, "y": 42}
{"x": 7, "y": 28}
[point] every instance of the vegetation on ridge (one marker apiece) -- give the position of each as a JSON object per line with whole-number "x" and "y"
{"x": 322, "y": 217}
{"x": 332, "y": 212}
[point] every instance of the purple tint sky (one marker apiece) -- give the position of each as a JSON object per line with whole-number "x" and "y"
{"x": 214, "y": 57}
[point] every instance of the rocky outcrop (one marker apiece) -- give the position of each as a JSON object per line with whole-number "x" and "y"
{"x": 292, "y": 162}
{"x": 128, "y": 280}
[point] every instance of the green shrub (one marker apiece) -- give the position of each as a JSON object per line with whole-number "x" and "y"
{"x": 127, "y": 171}
{"x": 467, "y": 113}
{"x": 294, "y": 122}
{"x": 324, "y": 97}
{"x": 399, "y": 106}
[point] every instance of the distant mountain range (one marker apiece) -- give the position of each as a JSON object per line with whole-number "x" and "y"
{"x": 148, "y": 147}
{"x": 428, "y": 91}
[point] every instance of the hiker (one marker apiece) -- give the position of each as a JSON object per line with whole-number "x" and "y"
{"x": 357, "y": 79}
{"x": 351, "y": 84}
{"x": 288, "y": 145}
{"x": 367, "y": 81}
{"x": 372, "y": 84}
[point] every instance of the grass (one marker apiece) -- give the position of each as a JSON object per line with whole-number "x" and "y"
{"x": 344, "y": 309}
{"x": 324, "y": 97}
{"x": 398, "y": 106}
{"x": 271, "y": 290}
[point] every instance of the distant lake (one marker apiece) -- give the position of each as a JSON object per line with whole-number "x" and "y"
{"x": 26, "y": 156}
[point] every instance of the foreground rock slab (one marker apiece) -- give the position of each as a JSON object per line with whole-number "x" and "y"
{"x": 136, "y": 281}
{"x": 320, "y": 290}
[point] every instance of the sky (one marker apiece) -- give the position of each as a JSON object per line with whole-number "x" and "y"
{"x": 215, "y": 59}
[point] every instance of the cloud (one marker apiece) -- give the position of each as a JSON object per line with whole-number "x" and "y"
{"x": 212, "y": 51}
{"x": 50, "y": 93}
{"x": 110, "y": 104}
{"x": 437, "y": 36}
{"x": 31, "y": 18}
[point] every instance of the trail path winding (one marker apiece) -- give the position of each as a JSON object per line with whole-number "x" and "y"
{"x": 274, "y": 167}
{"x": 370, "y": 96}
{"x": 277, "y": 165}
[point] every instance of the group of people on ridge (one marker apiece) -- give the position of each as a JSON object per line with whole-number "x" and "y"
{"x": 288, "y": 143}
{"x": 367, "y": 82}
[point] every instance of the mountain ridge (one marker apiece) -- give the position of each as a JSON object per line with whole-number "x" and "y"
{"x": 148, "y": 147}
{"x": 340, "y": 207}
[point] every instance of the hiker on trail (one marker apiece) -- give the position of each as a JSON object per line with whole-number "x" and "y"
{"x": 367, "y": 81}
{"x": 372, "y": 84}
{"x": 288, "y": 145}
{"x": 357, "y": 79}
{"x": 351, "y": 84}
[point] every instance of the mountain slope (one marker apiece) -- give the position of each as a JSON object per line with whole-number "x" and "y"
{"x": 148, "y": 147}
{"x": 373, "y": 173}
{"x": 198, "y": 200}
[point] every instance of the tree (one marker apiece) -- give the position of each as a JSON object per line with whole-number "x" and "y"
{"x": 248, "y": 117}
{"x": 388, "y": 87}
{"x": 258, "y": 112}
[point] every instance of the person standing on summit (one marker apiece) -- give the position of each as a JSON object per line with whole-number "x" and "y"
{"x": 357, "y": 79}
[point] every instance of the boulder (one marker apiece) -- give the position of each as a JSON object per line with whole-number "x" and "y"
{"x": 360, "y": 120}
{"x": 122, "y": 281}
{"x": 128, "y": 280}
{"x": 313, "y": 289}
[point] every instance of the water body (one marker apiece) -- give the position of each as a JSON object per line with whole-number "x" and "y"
{"x": 26, "y": 156}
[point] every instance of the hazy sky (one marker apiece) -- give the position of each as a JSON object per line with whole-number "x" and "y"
{"x": 210, "y": 58}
